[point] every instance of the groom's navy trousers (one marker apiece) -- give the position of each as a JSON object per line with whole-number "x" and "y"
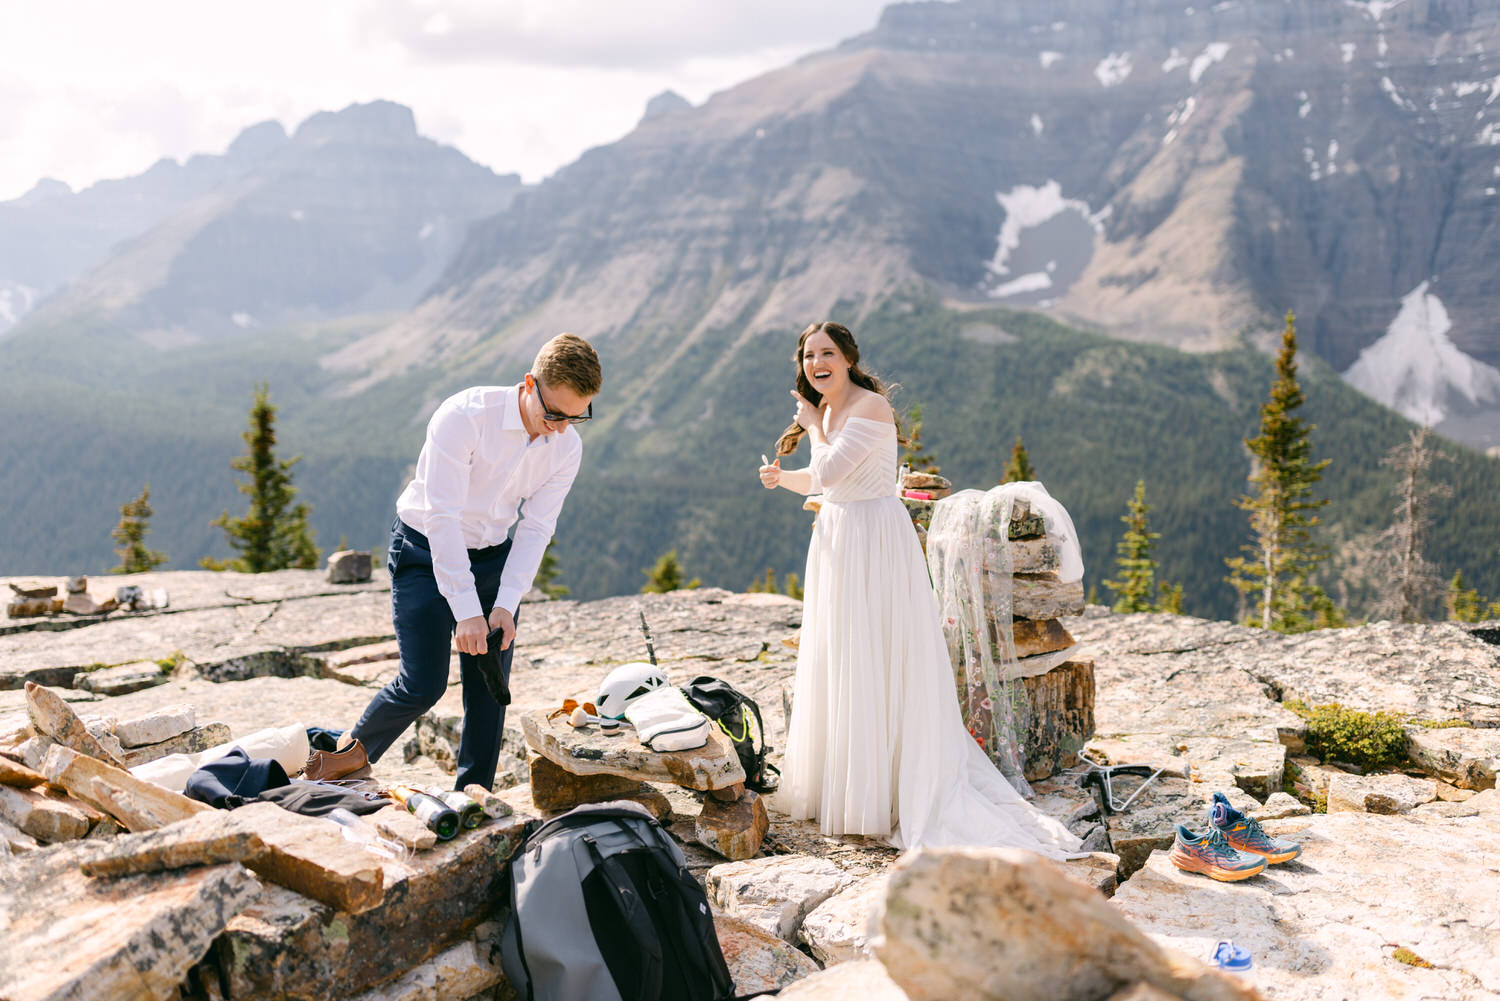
{"x": 424, "y": 634}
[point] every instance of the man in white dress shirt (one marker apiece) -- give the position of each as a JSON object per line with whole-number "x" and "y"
{"x": 493, "y": 455}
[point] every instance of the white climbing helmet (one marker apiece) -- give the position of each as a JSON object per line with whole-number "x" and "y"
{"x": 625, "y": 684}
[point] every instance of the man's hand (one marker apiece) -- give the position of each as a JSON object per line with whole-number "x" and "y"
{"x": 470, "y": 635}
{"x": 501, "y": 619}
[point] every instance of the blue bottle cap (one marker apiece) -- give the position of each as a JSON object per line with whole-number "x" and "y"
{"x": 1232, "y": 957}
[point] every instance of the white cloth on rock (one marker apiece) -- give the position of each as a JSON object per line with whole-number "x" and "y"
{"x": 876, "y": 745}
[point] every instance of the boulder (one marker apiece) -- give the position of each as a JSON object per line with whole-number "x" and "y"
{"x": 1037, "y": 637}
{"x": 52, "y": 716}
{"x": 1280, "y": 805}
{"x": 838, "y": 930}
{"x": 348, "y": 566}
{"x": 1007, "y": 924}
{"x": 68, "y": 935}
{"x": 194, "y": 741}
{"x": 734, "y": 830}
{"x": 553, "y": 789}
{"x": 587, "y": 751}
{"x": 1386, "y": 794}
{"x": 775, "y": 894}
{"x": 861, "y": 980}
{"x": 156, "y": 726}
{"x": 1328, "y": 924}
{"x": 1467, "y": 757}
{"x": 46, "y": 819}
{"x": 13, "y": 773}
{"x": 757, "y": 960}
{"x": 122, "y": 679}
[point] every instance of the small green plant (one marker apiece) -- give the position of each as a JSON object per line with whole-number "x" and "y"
{"x": 1405, "y": 955}
{"x": 1442, "y": 724}
{"x": 1368, "y": 740}
{"x": 171, "y": 662}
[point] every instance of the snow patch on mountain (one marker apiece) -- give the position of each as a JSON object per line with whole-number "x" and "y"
{"x": 1375, "y": 8}
{"x": 1348, "y": 49}
{"x": 1416, "y": 370}
{"x": 1395, "y": 95}
{"x": 1175, "y": 61}
{"x": 1037, "y": 125}
{"x": 1045, "y": 242}
{"x": 1048, "y": 57}
{"x": 1213, "y": 53}
{"x": 16, "y": 301}
{"x": 1113, "y": 69}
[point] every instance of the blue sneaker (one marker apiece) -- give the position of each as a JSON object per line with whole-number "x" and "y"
{"x": 1244, "y": 833}
{"x": 1212, "y": 856}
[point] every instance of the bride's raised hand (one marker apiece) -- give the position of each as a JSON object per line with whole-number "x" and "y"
{"x": 808, "y": 415}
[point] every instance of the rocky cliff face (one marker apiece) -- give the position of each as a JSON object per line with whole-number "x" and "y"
{"x": 354, "y": 213}
{"x": 1164, "y": 172}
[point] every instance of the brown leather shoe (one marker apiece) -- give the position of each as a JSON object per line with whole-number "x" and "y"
{"x": 350, "y": 763}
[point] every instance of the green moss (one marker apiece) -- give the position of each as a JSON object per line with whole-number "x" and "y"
{"x": 1368, "y": 740}
{"x": 1405, "y": 955}
{"x": 1442, "y": 724}
{"x": 171, "y": 662}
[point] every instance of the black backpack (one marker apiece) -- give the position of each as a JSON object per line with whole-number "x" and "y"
{"x": 738, "y": 716}
{"x": 602, "y": 907}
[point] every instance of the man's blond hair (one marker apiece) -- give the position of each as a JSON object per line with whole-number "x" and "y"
{"x": 569, "y": 360}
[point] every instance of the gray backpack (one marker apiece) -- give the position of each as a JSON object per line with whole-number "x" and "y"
{"x": 603, "y": 908}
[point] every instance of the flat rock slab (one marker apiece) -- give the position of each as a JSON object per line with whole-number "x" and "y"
{"x": 776, "y": 893}
{"x": 286, "y": 946}
{"x": 199, "y": 738}
{"x": 861, "y": 980}
{"x": 123, "y": 679}
{"x": 229, "y": 643}
{"x": 156, "y": 726}
{"x": 1325, "y": 927}
{"x": 1467, "y": 757}
{"x": 757, "y": 960}
{"x": 588, "y": 752}
{"x": 1379, "y": 793}
{"x": 67, "y": 936}
{"x": 839, "y": 929}
{"x": 734, "y": 829}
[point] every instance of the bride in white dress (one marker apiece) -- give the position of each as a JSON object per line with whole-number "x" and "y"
{"x": 876, "y": 745}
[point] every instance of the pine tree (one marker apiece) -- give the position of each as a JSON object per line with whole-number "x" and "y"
{"x": 1409, "y": 584}
{"x": 1465, "y": 604}
{"x": 1136, "y": 585}
{"x": 547, "y": 573}
{"x": 793, "y": 585}
{"x": 1020, "y": 468}
{"x": 1171, "y": 598}
{"x": 769, "y": 585}
{"x": 273, "y": 534}
{"x": 1278, "y": 566}
{"x": 666, "y": 575}
{"x": 130, "y": 535}
{"x": 913, "y": 456}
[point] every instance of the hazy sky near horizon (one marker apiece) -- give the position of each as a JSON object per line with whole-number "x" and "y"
{"x": 92, "y": 89}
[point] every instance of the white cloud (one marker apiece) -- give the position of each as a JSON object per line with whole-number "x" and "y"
{"x": 95, "y": 90}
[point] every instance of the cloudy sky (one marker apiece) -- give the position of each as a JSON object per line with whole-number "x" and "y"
{"x": 92, "y": 89}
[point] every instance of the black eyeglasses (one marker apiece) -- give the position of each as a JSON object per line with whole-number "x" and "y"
{"x": 552, "y": 415}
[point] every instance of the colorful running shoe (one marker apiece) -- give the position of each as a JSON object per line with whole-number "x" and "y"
{"x": 1244, "y": 833}
{"x": 1211, "y": 855}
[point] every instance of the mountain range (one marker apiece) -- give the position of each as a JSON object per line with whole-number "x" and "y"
{"x": 944, "y": 184}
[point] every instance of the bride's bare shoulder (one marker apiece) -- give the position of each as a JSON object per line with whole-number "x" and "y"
{"x": 873, "y": 407}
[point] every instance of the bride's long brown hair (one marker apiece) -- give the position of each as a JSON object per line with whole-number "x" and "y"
{"x": 844, "y": 341}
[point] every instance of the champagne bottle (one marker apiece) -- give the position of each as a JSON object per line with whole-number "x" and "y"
{"x": 437, "y": 815}
{"x": 470, "y": 813}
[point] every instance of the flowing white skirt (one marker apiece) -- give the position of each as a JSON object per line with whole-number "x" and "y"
{"x": 876, "y": 744}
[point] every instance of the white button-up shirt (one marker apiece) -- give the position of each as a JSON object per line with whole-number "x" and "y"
{"x": 477, "y": 467}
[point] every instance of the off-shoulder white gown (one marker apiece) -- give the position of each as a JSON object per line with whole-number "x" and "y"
{"x": 876, "y": 745}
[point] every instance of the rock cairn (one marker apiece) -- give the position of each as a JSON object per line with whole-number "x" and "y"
{"x": 1059, "y": 687}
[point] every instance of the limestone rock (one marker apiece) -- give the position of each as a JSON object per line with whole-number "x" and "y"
{"x": 348, "y": 566}
{"x": 123, "y": 679}
{"x": 1043, "y": 596}
{"x": 155, "y": 727}
{"x": 14, "y": 839}
{"x": 204, "y": 839}
{"x": 838, "y": 930}
{"x": 1386, "y": 794}
{"x": 311, "y": 856}
{"x": 775, "y": 894}
{"x": 1046, "y": 636}
{"x": 137, "y": 804}
{"x": 132, "y": 939}
{"x": 43, "y": 818}
{"x": 436, "y": 735}
{"x": 402, "y": 827}
{"x": 1467, "y": 757}
{"x": 286, "y": 946}
{"x": 1152, "y": 819}
{"x": 1007, "y": 924}
{"x": 459, "y": 973}
{"x": 1280, "y": 805}
{"x": 757, "y": 960}
{"x": 1325, "y": 926}
{"x": 734, "y": 830}
{"x": 553, "y": 789}
{"x": 1061, "y": 720}
{"x": 53, "y": 717}
{"x": 861, "y": 980}
{"x": 194, "y": 741}
{"x": 589, "y": 752}
{"x": 492, "y": 805}
{"x": 33, "y": 751}
{"x": 13, "y": 773}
